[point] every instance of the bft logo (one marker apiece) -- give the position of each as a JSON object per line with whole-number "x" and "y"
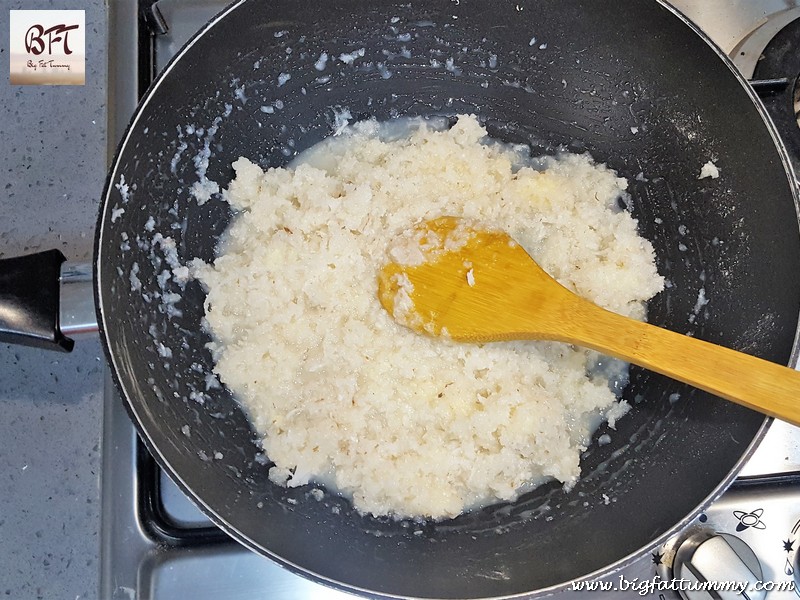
{"x": 35, "y": 38}
{"x": 47, "y": 47}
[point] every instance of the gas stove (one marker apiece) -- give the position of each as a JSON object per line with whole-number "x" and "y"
{"x": 156, "y": 544}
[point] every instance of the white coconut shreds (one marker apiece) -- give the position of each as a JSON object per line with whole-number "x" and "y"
{"x": 404, "y": 424}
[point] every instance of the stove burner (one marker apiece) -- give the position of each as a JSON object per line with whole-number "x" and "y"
{"x": 777, "y": 74}
{"x": 153, "y": 549}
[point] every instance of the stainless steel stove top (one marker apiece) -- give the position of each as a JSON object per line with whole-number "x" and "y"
{"x": 156, "y": 544}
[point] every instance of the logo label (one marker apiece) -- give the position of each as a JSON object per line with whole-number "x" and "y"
{"x": 47, "y": 47}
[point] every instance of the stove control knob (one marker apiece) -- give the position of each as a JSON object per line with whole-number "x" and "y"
{"x": 796, "y": 570}
{"x": 719, "y": 558}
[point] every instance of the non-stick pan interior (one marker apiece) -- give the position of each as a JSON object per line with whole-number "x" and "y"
{"x": 628, "y": 82}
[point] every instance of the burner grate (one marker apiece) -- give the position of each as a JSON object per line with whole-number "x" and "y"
{"x": 776, "y": 81}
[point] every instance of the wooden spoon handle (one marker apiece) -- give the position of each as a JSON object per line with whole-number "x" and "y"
{"x": 752, "y": 382}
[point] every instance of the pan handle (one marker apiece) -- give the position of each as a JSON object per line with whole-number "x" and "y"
{"x": 77, "y": 314}
{"x": 40, "y": 301}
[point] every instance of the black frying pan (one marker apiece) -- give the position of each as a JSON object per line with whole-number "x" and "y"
{"x": 629, "y": 81}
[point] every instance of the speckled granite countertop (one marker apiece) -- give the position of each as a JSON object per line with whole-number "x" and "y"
{"x": 52, "y": 170}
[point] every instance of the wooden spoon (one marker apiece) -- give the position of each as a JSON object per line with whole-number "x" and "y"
{"x": 451, "y": 280}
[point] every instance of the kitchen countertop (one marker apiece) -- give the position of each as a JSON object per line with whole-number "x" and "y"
{"x": 52, "y": 170}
